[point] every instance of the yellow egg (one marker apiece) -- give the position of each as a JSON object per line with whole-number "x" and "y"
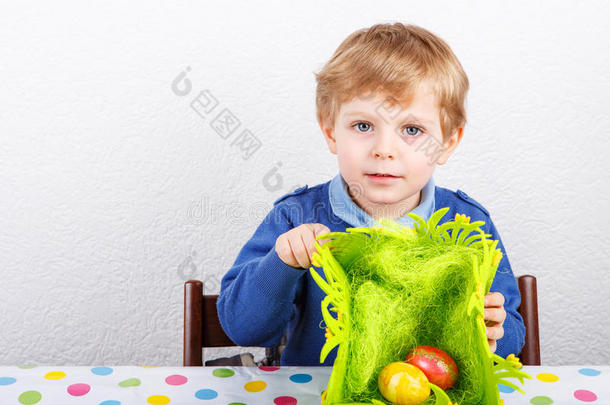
{"x": 403, "y": 384}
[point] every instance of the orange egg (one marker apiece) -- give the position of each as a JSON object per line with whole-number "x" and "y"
{"x": 403, "y": 384}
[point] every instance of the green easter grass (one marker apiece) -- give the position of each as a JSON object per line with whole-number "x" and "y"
{"x": 392, "y": 288}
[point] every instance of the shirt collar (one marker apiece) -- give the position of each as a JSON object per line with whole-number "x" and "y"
{"x": 345, "y": 208}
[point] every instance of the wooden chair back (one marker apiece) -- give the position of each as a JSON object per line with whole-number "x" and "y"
{"x": 530, "y": 355}
{"x": 202, "y": 327}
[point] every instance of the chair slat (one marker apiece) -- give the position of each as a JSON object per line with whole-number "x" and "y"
{"x": 193, "y": 321}
{"x": 202, "y": 327}
{"x": 530, "y": 355}
{"x": 213, "y": 334}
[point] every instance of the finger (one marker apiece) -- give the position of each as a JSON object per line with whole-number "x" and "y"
{"x": 284, "y": 251}
{"x": 293, "y": 260}
{"x": 308, "y": 242}
{"x": 320, "y": 229}
{"x": 494, "y": 299}
{"x": 299, "y": 250}
{"x": 492, "y": 345}
{"x": 494, "y": 332}
{"x": 495, "y": 314}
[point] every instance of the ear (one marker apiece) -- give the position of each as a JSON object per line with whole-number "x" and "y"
{"x": 329, "y": 137}
{"x": 449, "y": 146}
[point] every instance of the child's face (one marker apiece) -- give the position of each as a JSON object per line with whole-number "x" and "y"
{"x": 371, "y": 137}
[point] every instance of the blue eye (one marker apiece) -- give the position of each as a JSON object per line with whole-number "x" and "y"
{"x": 361, "y": 123}
{"x": 413, "y": 133}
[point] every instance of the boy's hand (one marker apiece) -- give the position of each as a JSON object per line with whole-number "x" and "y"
{"x": 296, "y": 246}
{"x": 494, "y": 318}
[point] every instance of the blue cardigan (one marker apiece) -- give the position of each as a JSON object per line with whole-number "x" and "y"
{"x": 261, "y": 296}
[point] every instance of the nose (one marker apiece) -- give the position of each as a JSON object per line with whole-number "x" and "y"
{"x": 385, "y": 147}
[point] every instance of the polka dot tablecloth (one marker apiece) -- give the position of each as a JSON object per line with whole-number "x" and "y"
{"x": 131, "y": 385}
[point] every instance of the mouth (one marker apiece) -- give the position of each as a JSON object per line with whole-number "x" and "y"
{"x": 382, "y": 175}
{"x": 382, "y": 178}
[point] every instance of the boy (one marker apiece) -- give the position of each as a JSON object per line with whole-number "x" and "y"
{"x": 386, "y": 160}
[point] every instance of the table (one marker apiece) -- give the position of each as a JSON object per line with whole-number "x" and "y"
{"x": 132, "y": 385}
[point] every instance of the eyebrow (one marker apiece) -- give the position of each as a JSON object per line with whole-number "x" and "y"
{"x": 361, "y": 113}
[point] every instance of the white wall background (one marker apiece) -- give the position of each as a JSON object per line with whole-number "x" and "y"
{"x": 113, "y": 191}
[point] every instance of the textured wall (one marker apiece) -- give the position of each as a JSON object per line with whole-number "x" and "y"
{"x": 114, "y": 190}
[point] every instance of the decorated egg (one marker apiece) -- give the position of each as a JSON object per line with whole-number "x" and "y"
{"x": 437, "y": 365}
{"x": 403, "y": 384}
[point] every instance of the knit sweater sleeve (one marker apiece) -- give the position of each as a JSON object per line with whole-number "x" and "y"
{"x": 505, "y": 283}
{"x": 257, "y": 294}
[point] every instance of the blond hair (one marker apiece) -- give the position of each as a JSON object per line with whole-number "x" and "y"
{"x": 393, "y": 59}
